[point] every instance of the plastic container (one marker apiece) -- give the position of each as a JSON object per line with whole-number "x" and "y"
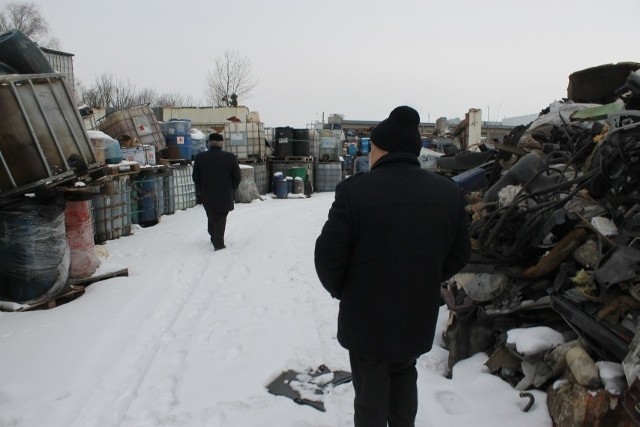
{"x": 245, "y": 140}
{"x": 298, "y": 185}
{"x": 168, "y": 192}
{"x": 184, "y": 190}
{"x": 261, "y": 177}
{"x": 301, "y": 142}
{"x": 329, "y": 146}
{"x": 278, "y": 176}
{"x": 79, "y": 228}
{"x": 177, "y": 134}
{"x": 327, "y": 176}
{"x": 289, "y": 180}
{"x": 136, "y": 122}
{"x": 283, "y": 142}
{"x": 106, "y": 149}
{"x": 198, "y": 142}
{"x": 283, "y": 167}
{"x": 112, "y": 210}
{"x": 145, "y": 196}
{"x": 143, "y": 154}
{"x": 364, "y": 146}
{"x": 472, "y": 180}
{"x": 47, "y": 141}
{"x": 34, "y": 254}
{"x": 22, "y": 54}
{"x": 297, "y": 171}
{"x": 281, "y": 189}
{"x": 6, "y": 69}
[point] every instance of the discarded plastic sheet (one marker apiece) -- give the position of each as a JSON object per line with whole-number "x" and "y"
{"x": 619, "y": 264}
{"x": 308, "y": 388}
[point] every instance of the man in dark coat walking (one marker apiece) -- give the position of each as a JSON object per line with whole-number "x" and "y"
{"x": 216, "y": 175}
{"x": 392, "y": 236}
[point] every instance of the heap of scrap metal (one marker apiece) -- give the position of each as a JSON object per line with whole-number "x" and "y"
{"x": 556, "y": 244}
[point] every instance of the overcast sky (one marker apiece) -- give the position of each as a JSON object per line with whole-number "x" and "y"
{"x": 359, "y": 58}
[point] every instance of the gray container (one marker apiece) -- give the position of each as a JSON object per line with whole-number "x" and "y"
{"x": 112, "y": 210}
{"x": 328, "y": 175}
{"x": 245, "y": 140}
{"x": 184, "y": 190}
{"x": 42, "y": 136}
{"x": 136, "y": 122}
{"x": 261, "y": 174}
{"x": 325, "y": 145}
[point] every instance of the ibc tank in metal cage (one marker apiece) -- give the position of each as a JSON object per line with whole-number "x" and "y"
{"x": 42, "y": 137}
{"x": 137, "y": 122}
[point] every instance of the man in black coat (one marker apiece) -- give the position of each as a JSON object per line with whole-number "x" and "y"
{"x": 392, "y": 236}
{"x": 216, "y": 175}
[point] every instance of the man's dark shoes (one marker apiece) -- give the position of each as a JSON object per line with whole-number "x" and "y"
{"x": 217, "y": 249}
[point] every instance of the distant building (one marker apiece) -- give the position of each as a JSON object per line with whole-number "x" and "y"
{"x": 519, "y": 120}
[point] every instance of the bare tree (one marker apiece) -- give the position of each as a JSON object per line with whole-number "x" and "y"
{"x": 27, "y": 18}
{"x": 91, "y": 97}
{"x": 108, "y": 91}
{"x": 145, "y": 96}
{"x": 170, "y": 99}
{"x": 230, "y": 80}
{"x": 124, "y": 94}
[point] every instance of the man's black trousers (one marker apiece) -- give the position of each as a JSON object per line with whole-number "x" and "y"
{"x": 217, "y": 222}
{"x": 385, "y": 392}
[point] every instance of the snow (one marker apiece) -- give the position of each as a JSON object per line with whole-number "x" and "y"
{"x": 192, "y": 337}
{"x": 534, "y": 340}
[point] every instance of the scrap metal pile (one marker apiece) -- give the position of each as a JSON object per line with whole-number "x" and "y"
{"x": 556, "y": 244}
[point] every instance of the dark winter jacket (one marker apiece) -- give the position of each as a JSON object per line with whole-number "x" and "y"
{"x": 216, "y": 174}
{"x": 392, "y": 236}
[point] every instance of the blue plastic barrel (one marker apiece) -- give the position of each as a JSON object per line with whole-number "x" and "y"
{"x": 365, "y": 146}
{"x": 281, "y": 189}
{"x": 112, "y": 152}
{"x": 146, "y": 190}
{"x": 278, "y": 176}
{"x": 177, "y": 136}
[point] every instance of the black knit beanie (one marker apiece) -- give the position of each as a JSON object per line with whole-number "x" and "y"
{"x": 399, "y": 131}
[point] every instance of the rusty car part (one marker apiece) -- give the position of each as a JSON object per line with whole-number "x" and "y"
{"x": 557, "y": 254}
{"x": 531, "y": 398}
{"x": 608, "y": 343}
{"x": 619, "y": 154}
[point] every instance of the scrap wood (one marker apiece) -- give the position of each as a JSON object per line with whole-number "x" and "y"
{"x": 89, "y": 280}
{"x": 73, "y": 293}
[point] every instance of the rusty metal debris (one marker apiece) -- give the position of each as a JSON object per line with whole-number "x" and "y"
{"x": 556, "y": 243}
{"x": 531, "y": 398}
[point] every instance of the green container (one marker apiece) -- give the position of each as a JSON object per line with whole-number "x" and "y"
{"x": 298, "y": 172}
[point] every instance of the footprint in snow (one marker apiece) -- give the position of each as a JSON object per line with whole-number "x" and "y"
{"x": 451, "y": 402}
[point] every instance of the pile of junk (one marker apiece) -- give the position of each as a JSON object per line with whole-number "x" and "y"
{"x": 555, "y": 237}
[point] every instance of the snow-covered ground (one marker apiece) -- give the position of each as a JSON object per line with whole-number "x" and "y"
{"x": 192, "y": 337}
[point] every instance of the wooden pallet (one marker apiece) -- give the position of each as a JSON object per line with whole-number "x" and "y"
{"x": 250, "y": 160}
{"x": 172, "y": 162}
{"x": 76, "y": 289}
{"x": 292, "y": 159}
{"x": 89, "y": 280}
{"x": 73, "y": 293}
{"x": 124, "y": 168}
